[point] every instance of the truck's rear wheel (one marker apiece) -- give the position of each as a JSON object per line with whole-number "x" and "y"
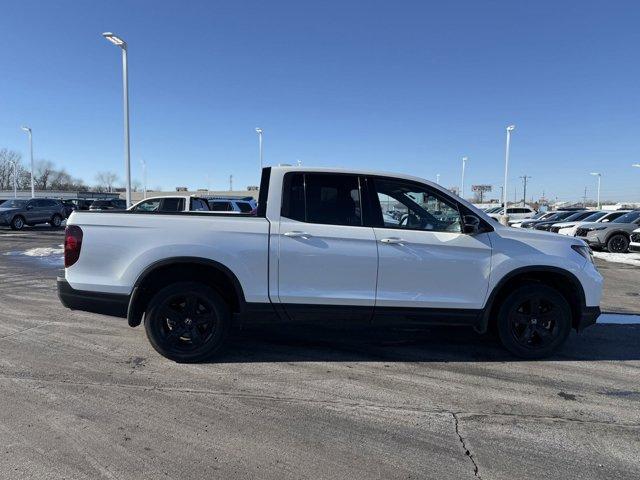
{"x": 187, "y": 322}
{"x": 534, "y": 321}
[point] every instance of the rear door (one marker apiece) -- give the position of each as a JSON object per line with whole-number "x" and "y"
{"x": 327, "y": 258}
{"x": 425, "y": 259}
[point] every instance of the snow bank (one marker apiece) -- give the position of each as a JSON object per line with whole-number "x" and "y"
{"x": 617, "y": 319}
{"x": 627, "y": 258}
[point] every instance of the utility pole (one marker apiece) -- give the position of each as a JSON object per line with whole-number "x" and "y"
{"x": 584, "y": 199}
{"x": 524, "y": 180}
{"x": 231, "y": 183}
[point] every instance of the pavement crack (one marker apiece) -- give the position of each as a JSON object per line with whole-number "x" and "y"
{"x": 467, "y": 452}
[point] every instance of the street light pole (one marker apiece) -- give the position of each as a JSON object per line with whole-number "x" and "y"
{"x": 30, "y": 133}
{"x": 118, "y": 42}
{"x": 464, "y": 164}
{"x": 504, "y": 219}
{"x": 144, "y": 179}
{"x": 438, "y": 178}
{"x": 524, "y": 180}
{"x": 15, "y": 179}
{"x": 599, "y": 175}
{"x": 259, "y": 132}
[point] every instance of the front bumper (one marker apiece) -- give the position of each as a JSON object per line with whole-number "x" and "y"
{"x": 115, "y": 305}
{"x": 634, "y": 247}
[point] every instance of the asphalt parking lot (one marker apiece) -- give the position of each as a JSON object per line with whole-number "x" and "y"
{"x": 84, "y": 396}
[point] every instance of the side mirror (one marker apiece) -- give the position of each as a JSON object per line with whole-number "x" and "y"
{"x": 471, "y": 224}
{"x": 29, "y": 207}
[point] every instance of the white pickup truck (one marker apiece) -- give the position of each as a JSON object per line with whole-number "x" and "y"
{"x": 329, "y": 245}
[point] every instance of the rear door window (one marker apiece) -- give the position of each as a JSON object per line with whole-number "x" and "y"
{"x": 172, "y": 205}
{"x": 323, "y": 198}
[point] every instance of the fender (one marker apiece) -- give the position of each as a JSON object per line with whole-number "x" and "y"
{"x": 134, "y": 315}
{"x": 485, "y": 318}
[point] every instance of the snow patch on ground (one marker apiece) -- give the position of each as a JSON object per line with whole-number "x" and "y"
{"x": 44, "y": 251}
{"x": 627, "y": 258}
{"x": 617, "y": 319}
{"x": 49, "y": 255}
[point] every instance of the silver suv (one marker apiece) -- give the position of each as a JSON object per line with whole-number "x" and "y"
{"x": 614, "y": 236}
{"x": 17, "y": 213}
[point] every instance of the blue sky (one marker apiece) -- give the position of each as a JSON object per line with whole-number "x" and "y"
{"x": 407, "y": 86}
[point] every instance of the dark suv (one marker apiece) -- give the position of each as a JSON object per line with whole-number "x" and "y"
{"x": 17, "y": 213}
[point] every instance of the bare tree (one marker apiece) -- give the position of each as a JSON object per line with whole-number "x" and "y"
{"x": 42, "y": 174}
{"x": 106, "y": 180}
{"x": 7, "y": 160}
{"x": 135, "y": 185}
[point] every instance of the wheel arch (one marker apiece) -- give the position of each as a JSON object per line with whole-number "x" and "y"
{"x": 562, "y": 280}
{"x": 161, "y": 273}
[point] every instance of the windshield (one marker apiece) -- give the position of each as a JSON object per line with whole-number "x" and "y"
{"x": 577, "y": 216}
{"x": 14, "y": 204}
{"x": 595, "y": 216}
{"x": 628, "y": 217}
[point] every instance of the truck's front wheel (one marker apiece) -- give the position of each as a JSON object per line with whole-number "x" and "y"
{"x": 534, "y": 321}
{"x": 187, "y": 322}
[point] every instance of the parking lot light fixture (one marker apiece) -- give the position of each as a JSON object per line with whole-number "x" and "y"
{"x": 259, "y": 132}
{"x": 120, "y": 43}
{"x": 505, "y": 218}
{"x": 599, "y": 175}
{"x": 30, "y": 133}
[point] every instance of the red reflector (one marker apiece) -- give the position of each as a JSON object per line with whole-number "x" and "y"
{"x": 72, "y": 245}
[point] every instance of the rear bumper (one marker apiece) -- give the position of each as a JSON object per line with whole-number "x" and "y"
{"x": 588, "y": 317}
{"x": 112, "y": 304}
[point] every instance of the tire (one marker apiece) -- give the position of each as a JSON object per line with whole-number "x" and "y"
{"x": 17, "y": 223}
{"x": 173, "y": 332}
{"x": 618, "y": 243}
{"x": 534, "y": 321}
{"x": 56, "y": 221}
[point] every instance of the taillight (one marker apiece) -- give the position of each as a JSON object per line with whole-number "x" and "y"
{"x": 72, "y": 244}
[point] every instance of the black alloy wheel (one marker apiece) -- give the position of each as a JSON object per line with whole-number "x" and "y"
{"x": 618, "y": 243}
{"x": 187, "y": 322}
{"x": 534, "y": 321}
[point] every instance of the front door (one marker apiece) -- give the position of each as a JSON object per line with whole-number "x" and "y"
{"x": 327, "y": 258}
{"x": 425, "y": 259}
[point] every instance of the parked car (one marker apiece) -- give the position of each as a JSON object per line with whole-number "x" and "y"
{"x": 229, "y": 205}
{"x": 537, "y": 216}
{"x": 569, "y": 228}
{"x": 17, "y": 213}
{"x": 320, "y": 249}
{"x": 108, "y": 204}
{"x": 515, "y": 213}
{"x": 555, "y": 217}
{"x": 185, "y": 203}
{"x": 634, "y": 245}
{"x": 614, "y": 236}
{"x": 575, "y": 217}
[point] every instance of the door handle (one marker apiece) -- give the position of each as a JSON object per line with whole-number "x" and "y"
{"x": 296, "y": 234}
{"x": 393, "y": 240}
